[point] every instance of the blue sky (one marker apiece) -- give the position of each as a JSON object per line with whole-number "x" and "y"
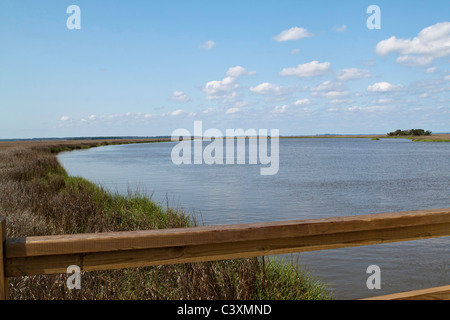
{"x": 146, "y": 68}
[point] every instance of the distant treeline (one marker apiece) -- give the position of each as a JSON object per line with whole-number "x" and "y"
{"x": 411, "y": 132}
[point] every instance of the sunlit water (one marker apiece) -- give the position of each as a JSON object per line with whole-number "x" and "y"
{"x": 317, "y": 178}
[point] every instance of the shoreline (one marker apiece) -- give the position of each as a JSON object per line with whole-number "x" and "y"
{"x": 81, "y": 143}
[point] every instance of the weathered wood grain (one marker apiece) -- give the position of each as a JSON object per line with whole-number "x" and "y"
{"x": 136, "y": 240}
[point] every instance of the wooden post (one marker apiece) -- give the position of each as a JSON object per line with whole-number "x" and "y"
{"x": 4, "y": 287}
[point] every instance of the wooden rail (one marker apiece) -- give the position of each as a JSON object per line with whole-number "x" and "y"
{"x": 438, "y": 293}
{"x": 105, "y": 251}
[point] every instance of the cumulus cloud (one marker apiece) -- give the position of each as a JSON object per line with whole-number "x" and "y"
{"x": 383, "y": 87}
{"x": 238, "y": 71}
{"x": 64, "y": 118}
{"x": 180, "y": 96}
{"x": 310, "y": 69}
{"x": 328, "y": 86}
{"x": 218, "y": 89}
{"x": 267, "y": 88}
{"x": 330, "y": 90}
{"x": 208, "y": 45}
{"x": 431, "y": 43}
{"x": 295, "y": 33}
{"x": 352, "y": 74}
{"x": 226, "y": 88}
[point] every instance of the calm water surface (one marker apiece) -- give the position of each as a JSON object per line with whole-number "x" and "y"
{"x": 318, "y": 178}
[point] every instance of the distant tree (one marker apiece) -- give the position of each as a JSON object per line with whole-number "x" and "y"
{"x": 411, "y": 132}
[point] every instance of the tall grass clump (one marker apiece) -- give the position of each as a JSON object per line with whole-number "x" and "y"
{"x": 40, "y": 198}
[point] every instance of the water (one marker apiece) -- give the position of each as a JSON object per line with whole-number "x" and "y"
{"x": 317, "y": 178}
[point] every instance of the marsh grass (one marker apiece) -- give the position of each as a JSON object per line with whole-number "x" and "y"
{"x": 38, "y": 198}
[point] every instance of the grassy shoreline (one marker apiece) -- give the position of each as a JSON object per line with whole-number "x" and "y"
{"x": 40, "y": 198}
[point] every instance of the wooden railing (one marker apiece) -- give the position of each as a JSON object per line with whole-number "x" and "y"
{"x": 116, "y": 250}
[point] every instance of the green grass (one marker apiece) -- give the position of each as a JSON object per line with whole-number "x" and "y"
{"x": 430, "y": 140}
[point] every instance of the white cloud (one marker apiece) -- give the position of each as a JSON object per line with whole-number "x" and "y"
{"x": 352, "y": 74}
{"x": 180, "y": 96}
{"x": 92, "y": 117}
{"x": 226, "y": 88}
{"x": 447, "y": 78}
{"x": 238, "y": 71}
{"x": 279, "y": 109}
{"x": 327, "y": 86}
{"x": 218, "y": 89}
{"x": 295, "y": 51}
{"x": 310, "y": 69}
{"x": 295, "y": 33}
{"x": 431, "y": 70}
{"x": 335, "y": 94}
{"x": 431, "y": 43}
{"x": 232, "y": 110}
{"x": 415, "y": 61}
{"x": 340, "y": 29}
{"x": 302, "y": 102}
{"x": 383, "y": 87}
{"x": 330, "y": 90}
{"x": 208, "y": 45}
{"x": 64, "y": 118}
{"x": 267, "y": 88}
